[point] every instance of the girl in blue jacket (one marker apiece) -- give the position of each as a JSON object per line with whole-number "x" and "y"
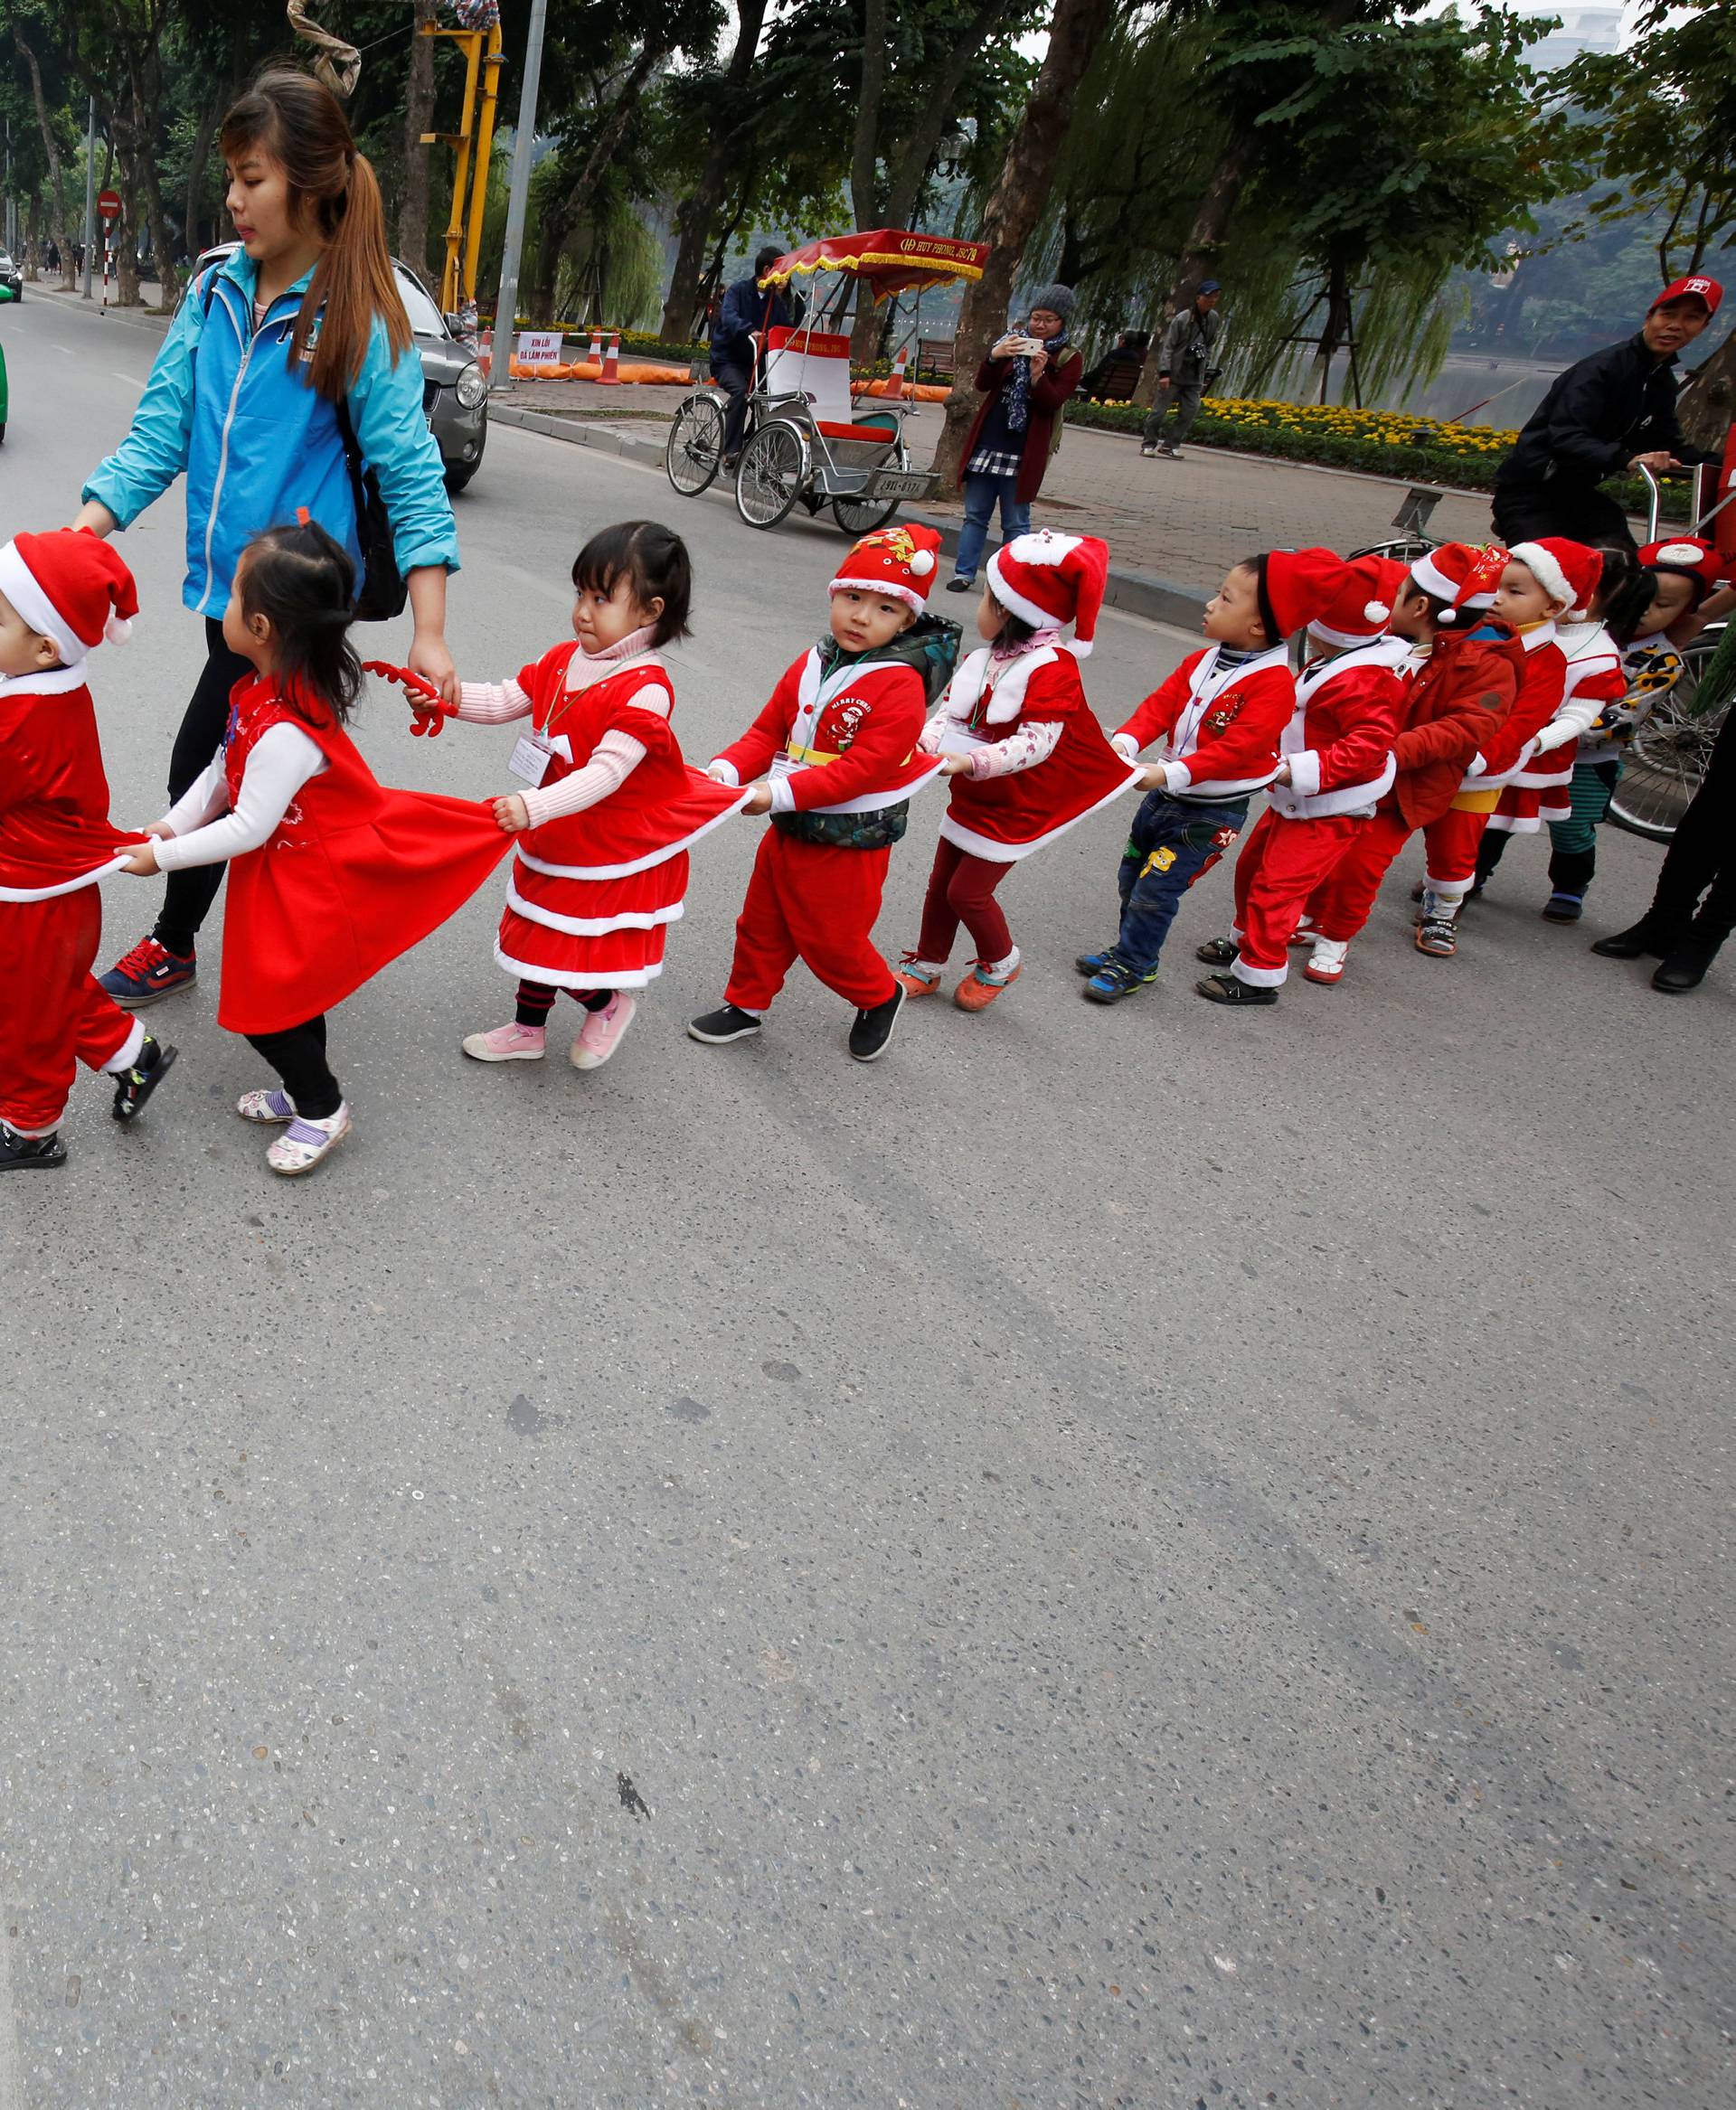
{"x": 304, "y": 317}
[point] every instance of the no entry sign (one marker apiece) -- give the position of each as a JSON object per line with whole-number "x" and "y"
{"x": 109, "y": 204}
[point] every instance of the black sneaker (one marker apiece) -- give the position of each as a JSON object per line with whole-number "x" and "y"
{"x": 134, "y": 1087}
{"x": 23, "y": 1153}
{"x": 959, "y": 585}
{"x": 147, "y": 972}
{"x": 729, "y": 1023}
{"x": 1228, "y": 989}
{"x": 1217, "y": 952}
{"x": 873, "y": 1029}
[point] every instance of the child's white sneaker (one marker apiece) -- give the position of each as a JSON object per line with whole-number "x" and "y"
{"x": 509, "y": 1043}
{"x": 304, "y": 1143}
{"x": 600, "y": 1034}
{"x": 1326, "y": 962}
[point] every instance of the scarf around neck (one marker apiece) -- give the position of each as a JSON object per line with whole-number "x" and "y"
{"x": 1018, "y": 385}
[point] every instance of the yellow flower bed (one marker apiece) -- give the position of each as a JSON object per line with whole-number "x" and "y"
{"x": 1370, "y": 427}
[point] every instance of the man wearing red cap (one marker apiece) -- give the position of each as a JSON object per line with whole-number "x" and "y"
{"x": 1613, "y": 411}
{"x": 61, "y": 595}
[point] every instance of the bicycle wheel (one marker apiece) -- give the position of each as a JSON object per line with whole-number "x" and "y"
{"x": 1402, "y": 549}
{"x": 768, "y": 476}
{"x": 1667, "y": 760}
{"x": 694, "y": 450}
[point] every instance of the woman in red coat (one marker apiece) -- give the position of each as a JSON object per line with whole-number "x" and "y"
{"x": 1026, "y": 379}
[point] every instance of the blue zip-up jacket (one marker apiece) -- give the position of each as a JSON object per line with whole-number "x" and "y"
{"x": 257, "y": 442}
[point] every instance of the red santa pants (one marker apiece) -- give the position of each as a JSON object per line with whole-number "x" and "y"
{"x": 53, "y": 1015}
{"x": 1341, "y": 904}
{"x": 815, "y": 902}
{"x": 961, "y": 890}
{"x": 1451, "y": 843}
{"x": 1281, "y": 864}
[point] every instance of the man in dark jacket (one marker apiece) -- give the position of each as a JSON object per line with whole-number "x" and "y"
{"x": 749, "y": 309}
{"x": 1614, "y": 412}
{"x": 1186, "y": 368}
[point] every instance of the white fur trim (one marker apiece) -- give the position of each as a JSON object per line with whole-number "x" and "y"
{"x": 1305, "y": 772}
{"x": 966, "y": 688}
{"x": 589, "y": 925}
{"x": 1260, "y": 977}
{"x": 1433, "y": 580}
{"x": 1545, "y": 570}
{"x": 71, "y": 886}
{"x": 612, "y": 872}
{"x": 1016, "y": 603}
{"x": 907, "y": 594}
{"x": 1679, "y": 554}
{"x": 24, "y": 590}
{"x": 998, "y": 852}
{"x": 534, "y": 971}
{"x": 58, "y": 680}
{"x": 128, "y": 1053}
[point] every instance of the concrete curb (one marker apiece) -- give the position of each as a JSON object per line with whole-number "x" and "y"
{"x": 134, "y": 318}
{"x": 1136, "y": 593}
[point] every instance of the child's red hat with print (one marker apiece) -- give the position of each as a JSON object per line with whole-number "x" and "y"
{"x": 1301, "y": 585}
{"x": 1050, "y": 580}
{"x": 1689, "y": 556}
{"x": 1363, "y": 606}
{"x": 1461, "y": 574}
{"x": 1567, "y": 572}
{"x": 896, "y": 561}
{"x": 71, "y": 585}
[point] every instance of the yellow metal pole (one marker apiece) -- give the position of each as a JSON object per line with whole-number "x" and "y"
{"x": 472, "y": 42}
{"x": 484, "y": 151}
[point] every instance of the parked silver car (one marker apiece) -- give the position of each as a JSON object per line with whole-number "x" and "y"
{"x": 455, "y": 390}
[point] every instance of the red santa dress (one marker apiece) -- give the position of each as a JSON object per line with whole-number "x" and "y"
{"x": 355, "y": 873}
{"x": 593, "y": 892}
{"x": 56, "y": 841}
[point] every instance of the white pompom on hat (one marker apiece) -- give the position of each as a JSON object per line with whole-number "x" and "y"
{"x": 71, "y": 585}
{"x": 1363, "y": 606}
{"x": 1050, "y": 580}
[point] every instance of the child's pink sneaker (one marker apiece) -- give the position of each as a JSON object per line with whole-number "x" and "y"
{"x": 600, "y": 1034}
{"x": 508, "y": 1043}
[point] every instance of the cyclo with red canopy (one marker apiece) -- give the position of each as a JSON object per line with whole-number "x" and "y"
{"x": 805, "y": 441}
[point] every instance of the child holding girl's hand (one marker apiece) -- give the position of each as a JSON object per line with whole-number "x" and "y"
{"x": 1025, "y": 751}
{"x": 608, "y": 807}
{"x": 334, "y": 874}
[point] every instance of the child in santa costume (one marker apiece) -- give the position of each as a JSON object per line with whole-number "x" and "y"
{"x": 1025, "y": 751}
{"x": 61, "y": 595}
{"x": 839, "y": 737}
{"x": 1336, "y": 762}
{"x": 1461, "y": 679}
{"x": 332, "y": 874}
{"x": 1570, "y": 776}
{"x": 608, "y": 807}
{"x": 1533, "y": 592}
{"x": 1220, "y": 717}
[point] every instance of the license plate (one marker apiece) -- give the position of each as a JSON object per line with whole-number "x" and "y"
{"x": 895, "y": 483}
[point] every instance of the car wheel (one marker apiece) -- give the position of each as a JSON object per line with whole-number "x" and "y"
{"x": 457, "y": 479}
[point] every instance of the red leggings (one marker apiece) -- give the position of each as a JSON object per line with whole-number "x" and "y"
{"x": 53, "y": 1015}
{"x": 815, "y": 902}
{"x": 961, "y": 890}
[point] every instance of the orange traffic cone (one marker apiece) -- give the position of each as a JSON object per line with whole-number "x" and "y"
{"x": 896, "y": 387}
{"x": 612, "y": 360}
{"x": 486, "y": 353}
{"x": 594, "y": 356}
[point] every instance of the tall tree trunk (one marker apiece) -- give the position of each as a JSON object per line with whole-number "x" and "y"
{"x": 418, "y": 115}
{"x": 698, "y": 211}
{"x": 1016, "y": 205}
{"x": 1335, "y": 328}
{"x": 62, "y": 228}
{"x": 1708, "y": 401}
{"x": 610, "y": 132}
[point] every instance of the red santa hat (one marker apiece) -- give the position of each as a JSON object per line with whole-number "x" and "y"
{"x": 1050, "y": 580}
{"x": 1567, "y": 572}
{"x": 1301, "y": 585}
{"x": 1462, "y": 574}
{"x": 1691, "y": 557}
{"x": 1707, "y": 291}
{"x": 899, "y": 562}
{"x": 1363, "y": 607}
{"x": 71, "y": 585}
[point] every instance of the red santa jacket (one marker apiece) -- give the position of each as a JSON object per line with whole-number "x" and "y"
{"x": 841, "y": 741}
{"x": 56, "y": 834}
{"x": 1542, "y": 682}
{"x": 1593, "y": 677}
{"x": 1005, "y": 818}
{"x": 1454, "y": 707}
{"x": 1339, "y": 741}
{"x": 1220, "y": 724}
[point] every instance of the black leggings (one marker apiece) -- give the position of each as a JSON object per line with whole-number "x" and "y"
{"x": 299, "y": 1057}
{"x": 1702, "y": 857}
{"x": 536, "y": 1001}
{"x": 188, "y": 895}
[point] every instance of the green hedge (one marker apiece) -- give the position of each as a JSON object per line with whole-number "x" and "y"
{"x": 1417, "y": 464}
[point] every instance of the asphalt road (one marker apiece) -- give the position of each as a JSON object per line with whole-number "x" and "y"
{"x": 1138, "y": 1558}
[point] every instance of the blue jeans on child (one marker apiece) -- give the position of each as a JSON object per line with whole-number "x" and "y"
{"x": 1171, "y": 843}
{"x": 981, "y": 494}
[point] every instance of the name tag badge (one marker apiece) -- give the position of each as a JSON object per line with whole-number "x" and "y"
{"x": 530, "y": 759}
{"x": 783, "y": 766}
{"x": 956, "y": 740}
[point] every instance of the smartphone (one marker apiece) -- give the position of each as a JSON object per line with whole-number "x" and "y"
{"x": 1024, "y": 347}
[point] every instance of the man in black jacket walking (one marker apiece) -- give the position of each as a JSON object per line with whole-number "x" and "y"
{"x": 1614, "y": 412}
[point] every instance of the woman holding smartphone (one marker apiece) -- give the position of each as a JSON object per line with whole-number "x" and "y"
{"x": 1026, "y": 380}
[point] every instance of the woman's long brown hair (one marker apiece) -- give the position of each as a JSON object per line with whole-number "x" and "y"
{"x": 333, "y": 190}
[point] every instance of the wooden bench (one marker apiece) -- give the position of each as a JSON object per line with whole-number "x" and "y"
{"x": 934, "y": 359}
